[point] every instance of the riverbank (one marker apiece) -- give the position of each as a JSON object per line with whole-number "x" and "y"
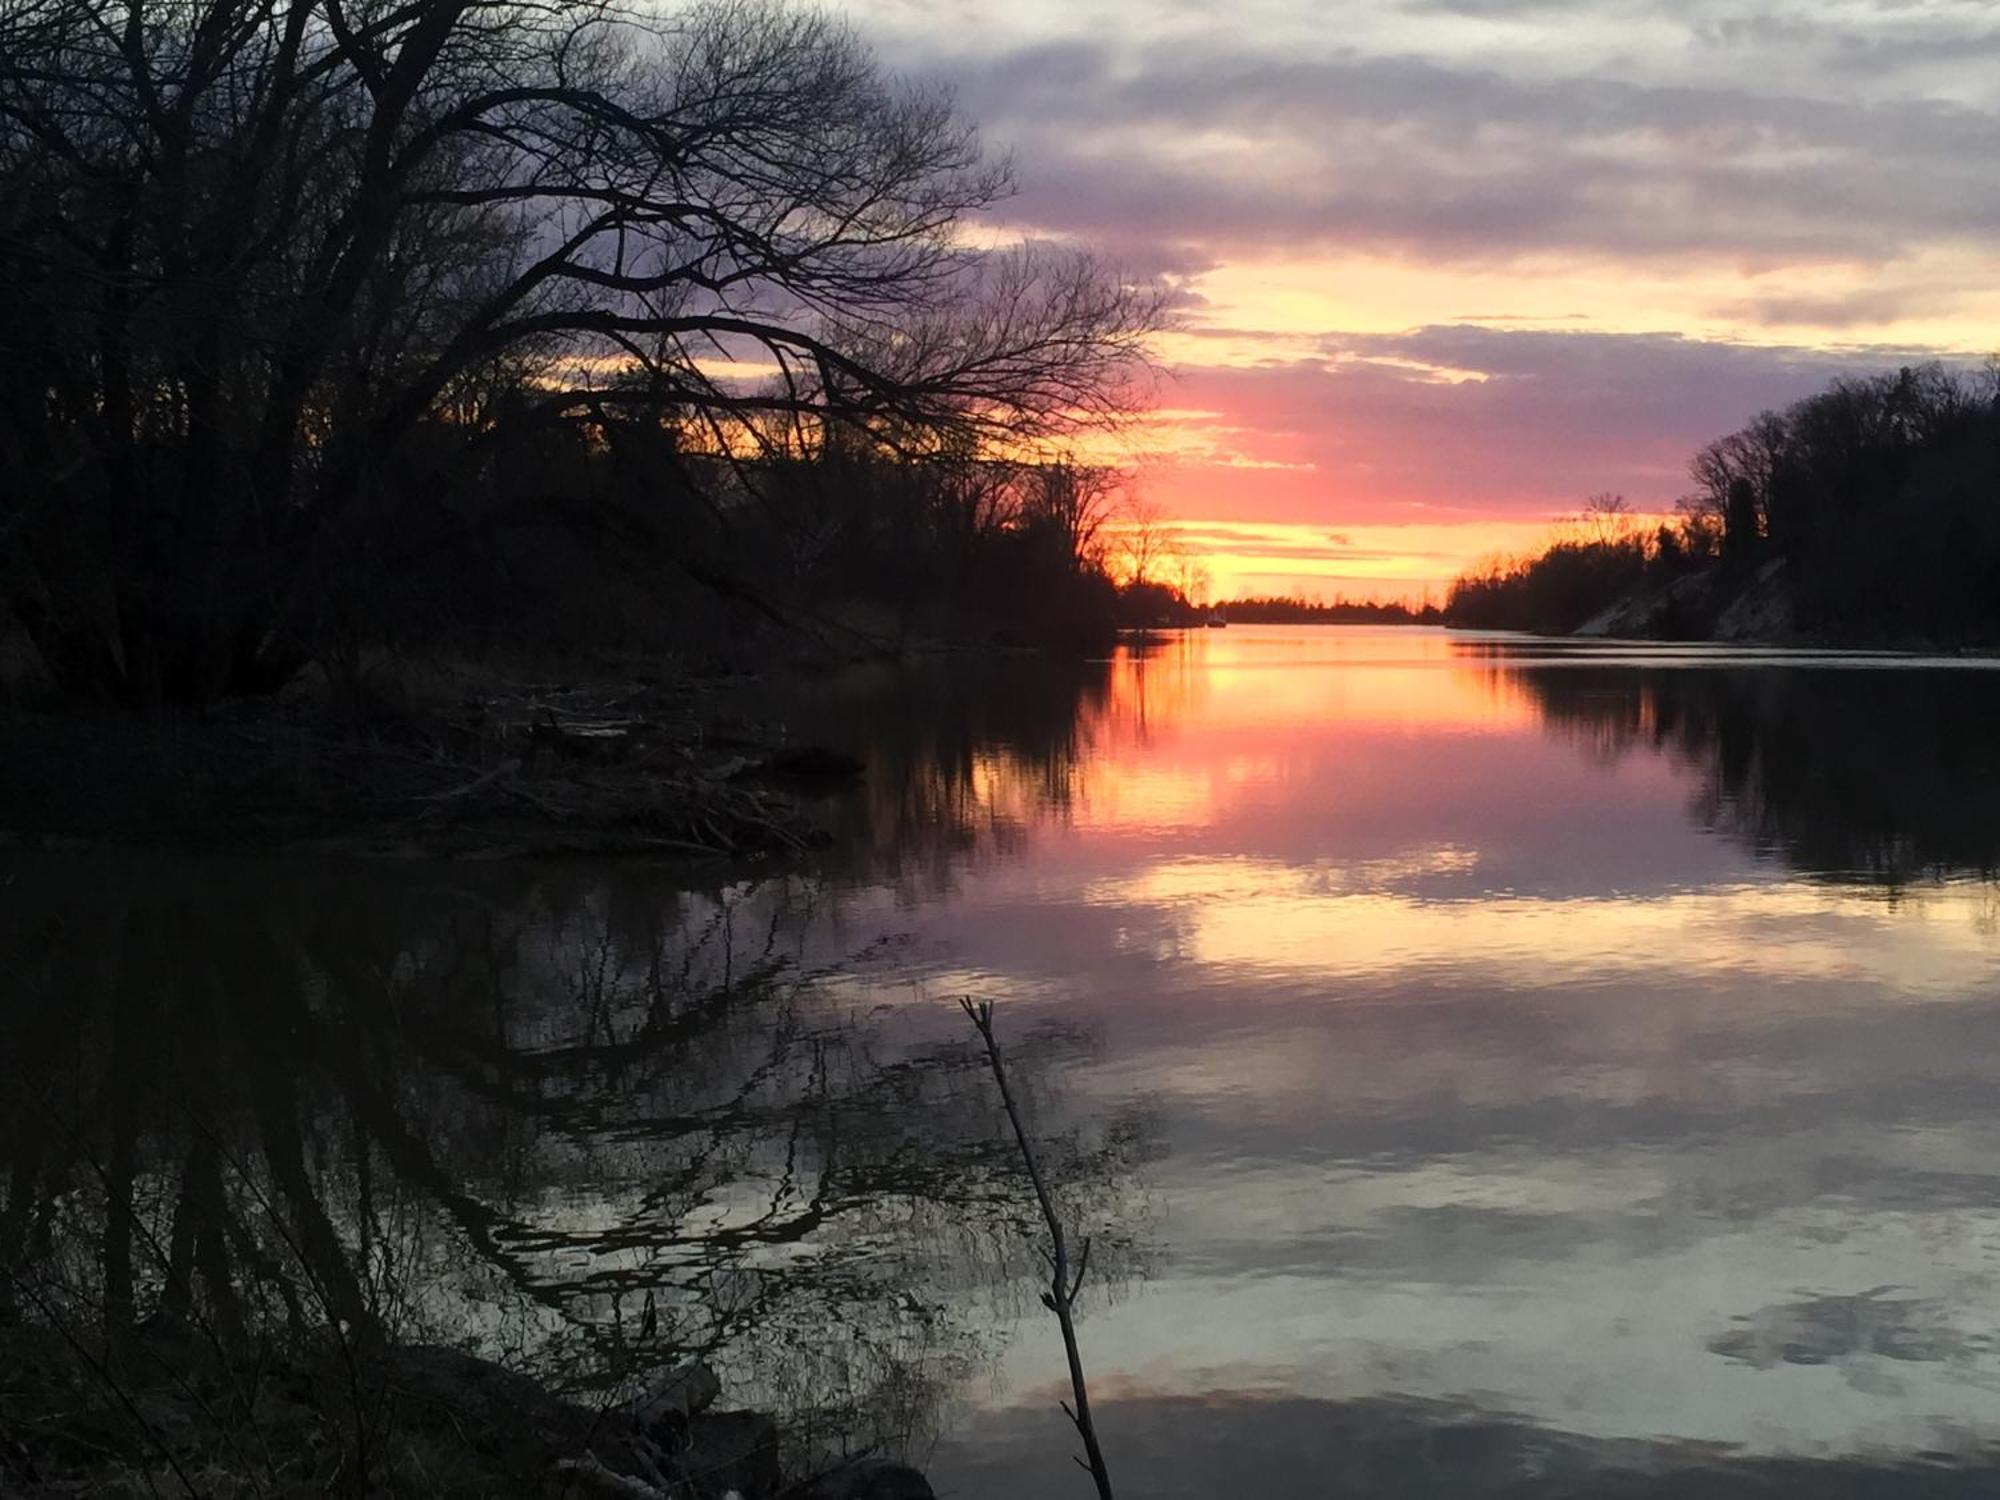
{"x": 1747, "y": 607}
{"x": 1712, "y": 604}
{"x": 167, "y": 1408}
{"x": 437, "y": 759}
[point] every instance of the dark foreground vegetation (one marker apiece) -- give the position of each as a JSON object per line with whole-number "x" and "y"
{"x": 328, "y": 1178}
{"x": 409, "y": 411}
{"x": 348, "y": 340}
{"x": 1868, "y": 514}
{"x": 334, "y": 327}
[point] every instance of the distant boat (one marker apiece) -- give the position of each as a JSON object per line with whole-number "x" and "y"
{"x": 1217, "y": 620}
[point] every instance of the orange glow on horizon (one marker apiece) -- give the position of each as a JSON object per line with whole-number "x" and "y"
{"x": 1377, "y": 563}
{"x": 1276, "y": 428}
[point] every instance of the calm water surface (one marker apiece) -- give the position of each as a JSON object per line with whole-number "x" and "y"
{"x": 1487, "y": 1066}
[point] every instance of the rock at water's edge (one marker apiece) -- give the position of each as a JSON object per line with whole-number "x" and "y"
{"x": 870, "y": 1479}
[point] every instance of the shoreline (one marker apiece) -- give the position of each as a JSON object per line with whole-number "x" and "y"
{"x": 472, "y": 762}
{"x": 172, "y": 1402}
{"x": 460, "y": 764}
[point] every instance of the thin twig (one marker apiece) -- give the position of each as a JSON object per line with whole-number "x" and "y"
{"x": 1060, "y": 1298}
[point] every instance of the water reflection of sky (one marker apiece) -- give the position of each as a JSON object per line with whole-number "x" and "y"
{"x": 1495, "y": 1076}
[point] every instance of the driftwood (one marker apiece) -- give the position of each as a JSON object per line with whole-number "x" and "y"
{"x": 506, "y": 768}
{"x": 1060, "y": 1298}
{"x": 684, "y": 1393}
{"x": 618, "y": 807}
{"x": 814, "y": 763}
{"x": 869, "y": 1479}
{"x": 15, "y": 1462}
{"x": 664, "y": 1445}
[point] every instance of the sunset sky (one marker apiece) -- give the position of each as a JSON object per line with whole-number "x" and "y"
{"x": 1450, "y": 266}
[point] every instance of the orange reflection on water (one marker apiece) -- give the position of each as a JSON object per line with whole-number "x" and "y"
{"x": 1534, "y": 1018}
{"x": 1287, "y": 807}
{"x": 1202, "y": 718}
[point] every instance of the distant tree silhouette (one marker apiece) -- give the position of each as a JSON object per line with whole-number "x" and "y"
{"x": 955, "y": 542}
{"x": 1288, "y": 609}
{"x": 1072, "y": 502}
{"x": 1145, "y": 544}
{"x": 1881, "y": 497}
{"x": 1606, "y": 519}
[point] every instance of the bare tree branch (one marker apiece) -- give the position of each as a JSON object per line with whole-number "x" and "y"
{"x": 1060, "y": 1298}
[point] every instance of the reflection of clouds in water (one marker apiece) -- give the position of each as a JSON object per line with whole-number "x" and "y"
{"x": 1423, "y": 922}
{"x": 1435, "y": 1218}
{"x": 1485, "y": 1066}
{"x": 1396, "y": 873}
{"x": 1596, "y": 1339}
{"x": 1824, "y": 1329}
{"x": 1484, "y": 1069}
{"x": 1199, "y": 878}
{"x": 1224, "y": 1444}
{"x": 1480, "y": 1067}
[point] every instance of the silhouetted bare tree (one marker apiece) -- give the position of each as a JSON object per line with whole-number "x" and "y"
{"x": 1145, "y": 543}
{"x": 1073, "y": 502}
{"x": 276, "y": 263}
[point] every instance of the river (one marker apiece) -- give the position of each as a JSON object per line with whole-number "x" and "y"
{"x": 1482, "y": 1065}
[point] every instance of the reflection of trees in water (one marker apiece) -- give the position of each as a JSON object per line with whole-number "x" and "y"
{"x": 538, "y": 1112}
{"x": 967, "y": 755}
{"x": 1884, "y": 775}
{"x": 964, "y": 755}
{"x": 1157, "y": 682}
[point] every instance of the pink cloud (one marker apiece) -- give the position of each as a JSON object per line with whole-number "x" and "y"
{"x": 1557, "y": 417}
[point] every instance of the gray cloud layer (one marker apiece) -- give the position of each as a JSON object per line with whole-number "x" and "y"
{"x": 1695, "y": 141}
{"x": 1248, "y": 145}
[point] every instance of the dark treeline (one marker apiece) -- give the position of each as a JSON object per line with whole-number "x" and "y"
{"x": 1288, "y": 609}
{"x": 1869, "y": 512}
{"x": 335, "y": 322}
{"x": 1595, "y": 561}
{"x": 570, "y": 545}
